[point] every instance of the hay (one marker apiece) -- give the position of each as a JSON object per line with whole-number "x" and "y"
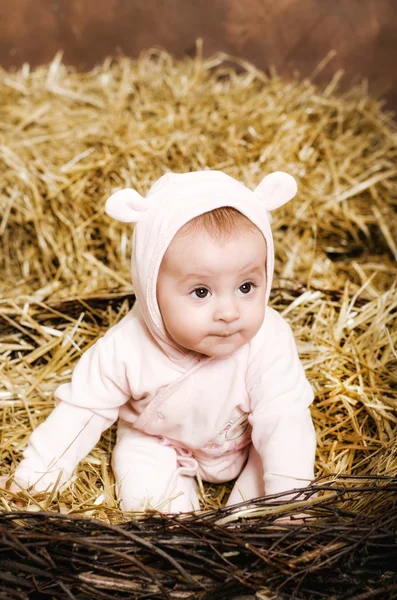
{"x": 68, "y": 139}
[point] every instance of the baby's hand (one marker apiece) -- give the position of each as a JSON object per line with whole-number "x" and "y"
{"x": 3, "y": 481}
{"x": 13, "y": 488}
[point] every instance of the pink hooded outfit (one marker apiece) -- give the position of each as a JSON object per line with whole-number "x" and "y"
{"x": 182, "y": 414}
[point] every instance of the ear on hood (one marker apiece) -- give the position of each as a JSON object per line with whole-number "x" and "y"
{"x": 126, "y": 205}
{"x": 276, "y": 189}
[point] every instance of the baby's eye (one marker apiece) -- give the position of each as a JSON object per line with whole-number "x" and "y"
{"x": 246, "y": 288}
{"x": 200, "y": 292}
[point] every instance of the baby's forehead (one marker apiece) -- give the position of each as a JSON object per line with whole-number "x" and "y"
{"x": 200, "y": 251}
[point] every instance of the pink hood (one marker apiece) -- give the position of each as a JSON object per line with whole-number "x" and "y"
{"x": 174, "y": 200}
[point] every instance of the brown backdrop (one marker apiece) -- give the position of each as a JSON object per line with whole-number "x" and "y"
{"x": 289, "y": 34}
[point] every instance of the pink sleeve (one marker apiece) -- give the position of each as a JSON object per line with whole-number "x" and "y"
{"x": 57, "y": 446}
{"x": 88, "y": 405}
{"x": 280, "y": 395}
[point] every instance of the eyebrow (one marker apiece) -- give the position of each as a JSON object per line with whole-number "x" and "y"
{"x": 252, "y": 269}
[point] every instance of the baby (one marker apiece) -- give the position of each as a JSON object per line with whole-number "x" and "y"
{"x": 203, "y": 377}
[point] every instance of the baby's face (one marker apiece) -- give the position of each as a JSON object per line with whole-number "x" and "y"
{"x": 211, "y": 295}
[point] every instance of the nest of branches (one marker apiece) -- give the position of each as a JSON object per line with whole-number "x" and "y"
{"x": 345, "y": 549}
{"x": 67, "y": 140}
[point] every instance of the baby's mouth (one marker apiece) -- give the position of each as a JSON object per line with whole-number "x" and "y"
{"x": 225, "y": 335}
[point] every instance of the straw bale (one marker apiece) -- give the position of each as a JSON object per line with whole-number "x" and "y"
{"x": 68, "y": 139}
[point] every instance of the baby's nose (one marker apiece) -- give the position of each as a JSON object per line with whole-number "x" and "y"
{"x": 226, "y": 311}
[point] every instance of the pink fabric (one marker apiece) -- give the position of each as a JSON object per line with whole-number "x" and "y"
{"x": 201, "y": 412}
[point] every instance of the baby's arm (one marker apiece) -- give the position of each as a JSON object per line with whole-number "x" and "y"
{"x": 87, "y": 406}
{"x": 57, "y": 446}
{"x": 282, "y": 428}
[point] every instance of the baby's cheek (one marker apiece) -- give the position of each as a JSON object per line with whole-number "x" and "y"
{"x": 257, "y": 317}
{"x": 187, "y": 328}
